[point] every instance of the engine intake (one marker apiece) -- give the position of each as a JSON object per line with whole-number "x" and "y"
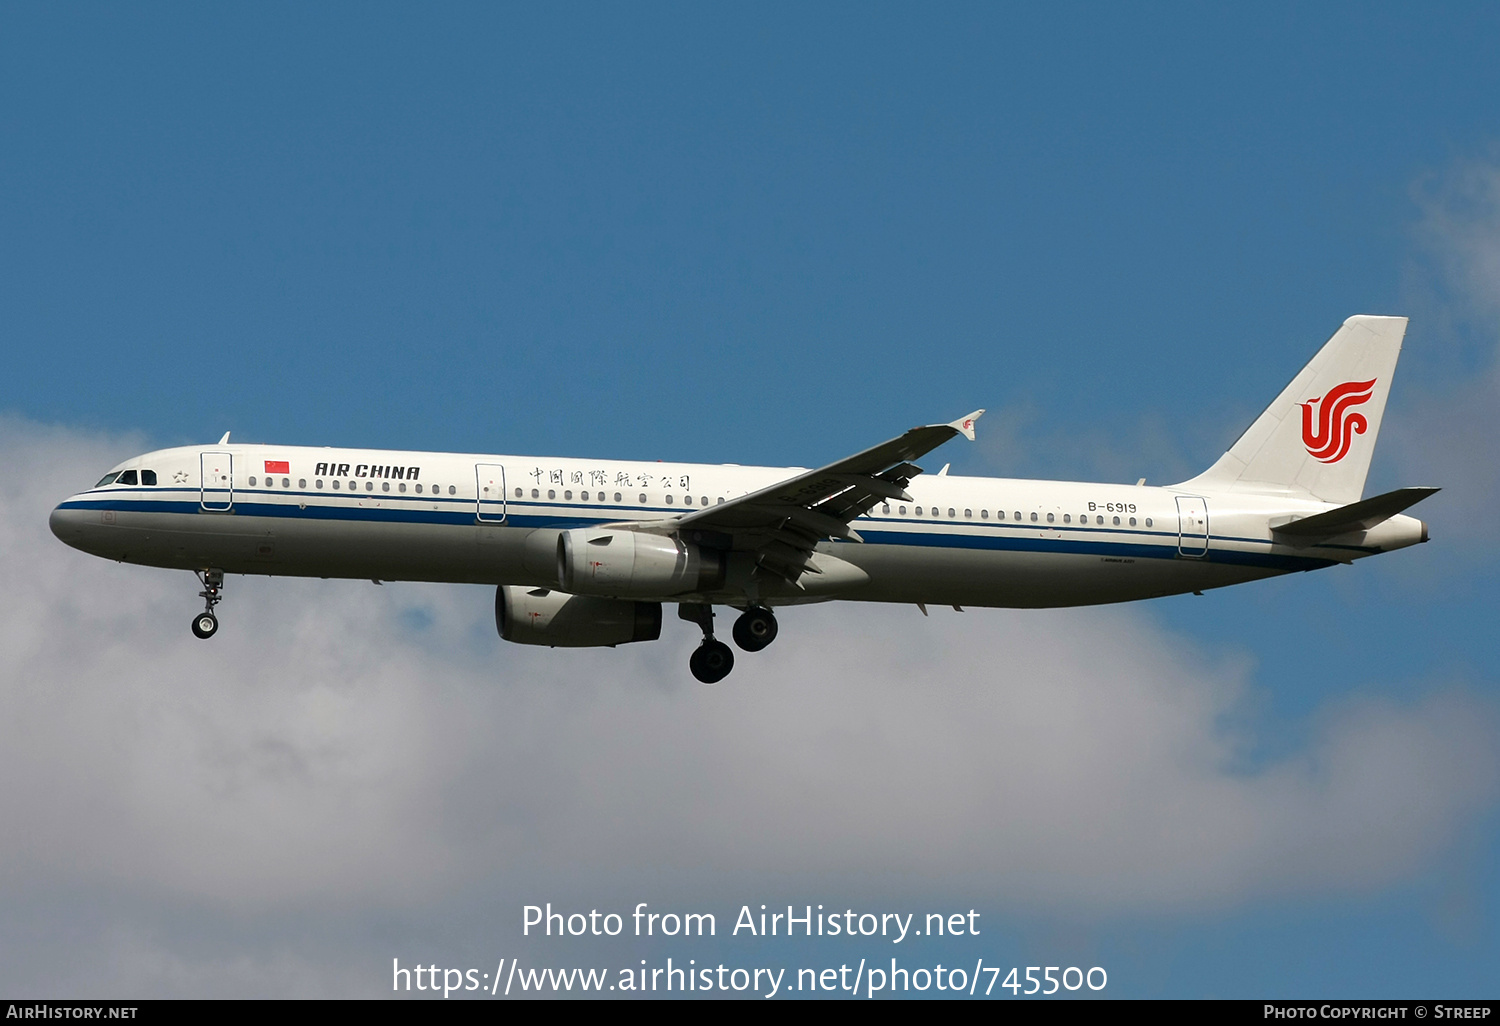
{"x": 633, "y": 563}
{"x": 539, "y": 616}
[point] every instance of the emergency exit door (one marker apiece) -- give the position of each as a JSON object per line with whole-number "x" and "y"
{"x": 489, "y": 492}
{"x": 1192, "y": 526}
{"x": 216, "y": 492}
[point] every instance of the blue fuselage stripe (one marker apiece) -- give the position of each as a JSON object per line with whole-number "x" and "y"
{"x": 403, "y": 509}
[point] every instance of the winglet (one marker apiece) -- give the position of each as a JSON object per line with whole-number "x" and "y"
{"x": 225, "y": 439}
{"x": 965, "y": 425}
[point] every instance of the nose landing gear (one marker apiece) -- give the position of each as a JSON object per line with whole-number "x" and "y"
{"x": 712, "y": 660}
{"x": 206, "y": 624}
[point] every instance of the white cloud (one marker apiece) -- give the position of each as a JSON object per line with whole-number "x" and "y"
{"x": 1460, "y": 226}
{"x": 327, "y": 752}
{"x": 1017, "y": 441}
{"x": 1450, "y": 436}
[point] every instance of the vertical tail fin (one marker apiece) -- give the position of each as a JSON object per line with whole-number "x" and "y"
{"x": 1316, "y": 439}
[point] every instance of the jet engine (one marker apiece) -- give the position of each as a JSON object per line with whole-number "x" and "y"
{"x": 626, "y": 563}
{"x": 539, "y": 616}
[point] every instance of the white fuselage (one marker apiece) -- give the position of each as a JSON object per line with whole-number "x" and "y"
{"x": 390, "y": 516}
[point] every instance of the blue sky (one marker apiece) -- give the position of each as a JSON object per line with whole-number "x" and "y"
{"x": 777, "y": 235}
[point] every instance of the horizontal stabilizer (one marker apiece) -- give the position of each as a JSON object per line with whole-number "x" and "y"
{"x": 1357, "y": 516}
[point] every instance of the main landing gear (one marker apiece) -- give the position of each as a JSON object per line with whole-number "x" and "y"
{"x": 755, "y": 629}
{"x": 712, "y": 660}
{"x": 206, "y": 624}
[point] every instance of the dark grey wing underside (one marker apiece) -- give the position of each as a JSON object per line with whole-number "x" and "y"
{"x": 783, "y": 523}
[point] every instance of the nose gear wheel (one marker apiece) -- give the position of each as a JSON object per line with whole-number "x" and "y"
{"x": 206, "y": 624}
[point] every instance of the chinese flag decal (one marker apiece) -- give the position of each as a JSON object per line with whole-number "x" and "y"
{"x": 278, "y": 467}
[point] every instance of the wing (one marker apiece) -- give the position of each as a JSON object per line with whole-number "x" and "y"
{"x": 781, "y": 524}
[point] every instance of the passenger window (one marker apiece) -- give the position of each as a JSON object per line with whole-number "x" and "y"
{"x": 969, "y": 514}
{"x": 984, "y": 514}
{"x": 643, "y": 498}
{"x": 401, "y": 487}
{"x": 385, "y": 486}
{"x": 1050, "y": 518}
{"x": 353, "y": 485}
{"x": 452, "y": 489}
{"x": 318, "y": 483}
{"x": 669, "y": 500}
{"x": 568, "y": 495}
{"x": 687, "y": 500}
{"x": 301, "y": 482}
{"x": 617, "y": 497}
{"x": 127, "y": 478}
{"x": 919, "y": 511}
{"x": 1132, "y": 521}
{"x": 551, "y": 493}
{"x": 885, "y": 508}
{"x": 1148, "y": 521}
{"x": 1067, "y": 518}
{"x": 902, "y": 510}
{"x": 721, "y": 500}
{"x": 286, "y": 482}
{"x": 535, "y": 494}
{"x": 518, "y": 491}
{"x": 419, "y": 489}
{"x": 584, "y": 496}
{"x": 335, "y": 486}
{"x": 1033, "y": 517}
{"x": 252, "y": 480}
{"x": 369, "y": 486}
{"x": 1117, "y": 521}
{"x": 703, "y": 500}
{"x": 951, "y": 513}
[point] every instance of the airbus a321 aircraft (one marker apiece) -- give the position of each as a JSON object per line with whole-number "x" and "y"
{"x": 586, "y": 552}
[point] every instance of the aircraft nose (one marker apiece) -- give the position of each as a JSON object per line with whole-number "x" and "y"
{"x": 68, "y": 524}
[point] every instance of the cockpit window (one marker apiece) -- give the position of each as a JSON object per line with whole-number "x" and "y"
{"x": 128, "y": 477}
{"x": 148, "y": 477}
{"x": 107, "y": 479}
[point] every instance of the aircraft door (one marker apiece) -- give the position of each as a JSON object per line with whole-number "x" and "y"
{"x": 1192, "y": 526}
{"x": 489, "y": 492}
{"x": 217, "y": 487}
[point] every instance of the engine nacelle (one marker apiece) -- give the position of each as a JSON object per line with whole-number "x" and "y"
{"x": 624, "y": 563}
{"x": 539, "y": 616}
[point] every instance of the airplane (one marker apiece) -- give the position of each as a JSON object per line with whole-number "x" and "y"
{"x": 586, "y": 552}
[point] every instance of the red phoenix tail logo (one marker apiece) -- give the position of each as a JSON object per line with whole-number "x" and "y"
{"x": 1328, "y": 432}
